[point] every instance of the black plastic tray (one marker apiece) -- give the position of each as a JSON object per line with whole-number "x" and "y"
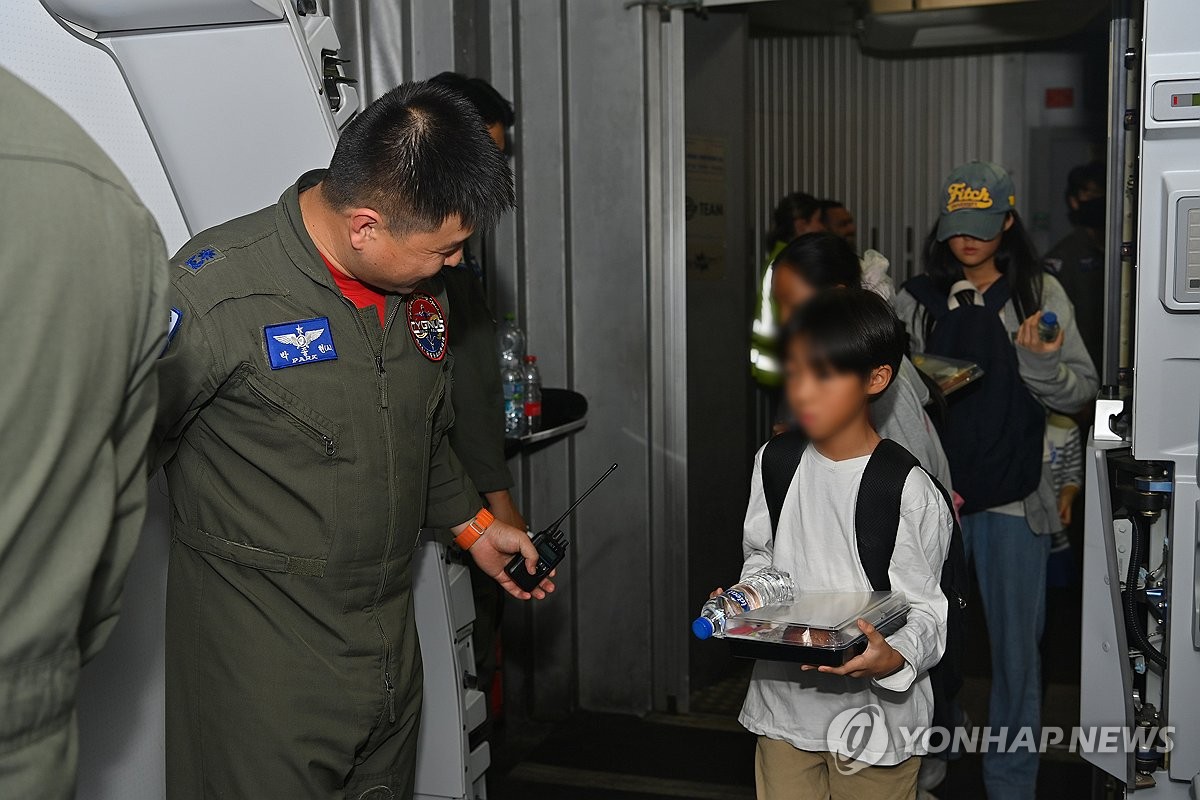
{"x": 817, "y": 656}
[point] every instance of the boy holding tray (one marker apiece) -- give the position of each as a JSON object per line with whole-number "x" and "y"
{"x": 843, "y": 349}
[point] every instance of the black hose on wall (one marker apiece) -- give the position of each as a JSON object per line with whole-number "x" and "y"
{"x": 1141, "y": 531}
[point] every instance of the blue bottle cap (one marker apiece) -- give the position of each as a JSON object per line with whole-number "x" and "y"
{"x": 703, "y": 628}
{"x": 1050, "y": 318}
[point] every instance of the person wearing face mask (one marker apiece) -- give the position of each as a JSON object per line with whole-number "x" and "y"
{"x": 1078, "y": 259}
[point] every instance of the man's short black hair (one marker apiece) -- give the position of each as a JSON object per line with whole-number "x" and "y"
{"x": 827, "y": 206}
{"x": 1078, "y": 179}
{"x": 849, "y": 330}
{"x": 492, "y": 106}
{"x": 797, "y": 205}
{"x": 419, "y": 155}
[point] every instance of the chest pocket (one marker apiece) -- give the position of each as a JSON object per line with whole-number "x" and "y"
{"x": 273, "y": 490}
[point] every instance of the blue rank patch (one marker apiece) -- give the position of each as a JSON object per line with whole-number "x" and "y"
{"x": 200, "y": 259}
{"x": 290, "y": 344}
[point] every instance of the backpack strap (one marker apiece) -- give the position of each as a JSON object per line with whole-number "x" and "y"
{"x": 780, "y": 460}
{"x": 956, "y": 576}
{"x": 877, "y": 510}
{"x": 933, "y": 301}
{"x": 997, "y": 295}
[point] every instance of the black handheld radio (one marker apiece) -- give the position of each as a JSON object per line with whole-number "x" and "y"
{"x": 551, "y": 545}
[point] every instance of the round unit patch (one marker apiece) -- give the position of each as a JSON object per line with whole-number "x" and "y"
{"x": 427, "y": 324}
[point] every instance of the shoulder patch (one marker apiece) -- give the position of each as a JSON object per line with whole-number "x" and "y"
{"x": 1054, "y": 265}
{"x": 172, "y": 327}
{"x": 201, "y": 258}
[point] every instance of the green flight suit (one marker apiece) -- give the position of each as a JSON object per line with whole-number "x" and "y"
{"x": 478, "y": 437}
{"x": 478, "y": 433}
{"x": 305, "y": 448}
{"x": 83, "y": 316}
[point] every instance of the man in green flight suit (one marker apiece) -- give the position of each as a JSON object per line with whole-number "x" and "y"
{"x": 305, "y": 403}
{"x": 83, "y": 319}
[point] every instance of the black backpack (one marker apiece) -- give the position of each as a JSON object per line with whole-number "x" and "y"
{"x": 876, "y": 520}
{"x": 993, "y": 430}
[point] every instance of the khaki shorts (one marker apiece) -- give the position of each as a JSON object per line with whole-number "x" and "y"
{"x": 781, "y": 772}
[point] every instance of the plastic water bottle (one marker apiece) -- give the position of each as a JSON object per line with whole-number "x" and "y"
{"x": 532, "y": 395}
{"x": 512, "y": 342}
{"x": 763, "y": 588}
{"x": 514, "y": 398}
{"x": 1048, "y": 327}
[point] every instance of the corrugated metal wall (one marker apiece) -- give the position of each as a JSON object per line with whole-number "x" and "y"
{"x": 879, "y": 134}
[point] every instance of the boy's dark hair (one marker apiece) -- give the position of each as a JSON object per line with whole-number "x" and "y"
{"x": 825, "y": 260}
{"x": 1016, "y": 259}
{"x": 1079, "y": 177}
{"x": 419, "y": 155}
{"x": 492, "y": 106}
{"x": 797, "y": 205}
{"x": 849, "y": 330}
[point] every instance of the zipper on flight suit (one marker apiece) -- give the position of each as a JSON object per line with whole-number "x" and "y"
{"x": 382, "y": 373}
{"x": 326, "y": 439}
{"x": 391, "y": 460}
{"x": 388, "y": 686}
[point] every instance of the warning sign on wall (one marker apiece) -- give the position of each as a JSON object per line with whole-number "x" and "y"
{"x": 704, "y": 209}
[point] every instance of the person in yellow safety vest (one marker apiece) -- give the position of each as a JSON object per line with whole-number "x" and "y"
{"x": 797, "y": 214}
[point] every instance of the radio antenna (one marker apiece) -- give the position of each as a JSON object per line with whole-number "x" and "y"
{"x": 582, "y": 497}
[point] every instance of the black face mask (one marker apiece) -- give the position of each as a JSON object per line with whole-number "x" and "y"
{"x": 1090, "y": 214}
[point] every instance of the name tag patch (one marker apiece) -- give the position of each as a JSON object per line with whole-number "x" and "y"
{"x": 290, "y": 344}
{"x": 427, "y": 325}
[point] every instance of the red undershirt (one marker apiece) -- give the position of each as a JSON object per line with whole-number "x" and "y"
{"x": 358, "y": 292}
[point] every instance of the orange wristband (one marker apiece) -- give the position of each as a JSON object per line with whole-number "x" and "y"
{"x": 472, "y": 532}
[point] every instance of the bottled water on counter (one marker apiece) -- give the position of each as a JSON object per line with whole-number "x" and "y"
{"x": 512, "y": 375}
{"x": 532, "y": 380}
{"x": 763, "y": 588}
{"x": 512, "y": 342}
{"x": 513, "y": 381}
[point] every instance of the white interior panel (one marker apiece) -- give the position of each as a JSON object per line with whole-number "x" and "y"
{"x": 123, "y": 15}
{"x": 234, "y": 113}
{"x": 86, "y": 83}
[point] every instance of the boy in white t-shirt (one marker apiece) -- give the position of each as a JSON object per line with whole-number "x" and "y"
{"x": 842, "y": 350}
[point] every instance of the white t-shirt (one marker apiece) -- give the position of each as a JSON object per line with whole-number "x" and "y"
{"x": 816, "y": 545}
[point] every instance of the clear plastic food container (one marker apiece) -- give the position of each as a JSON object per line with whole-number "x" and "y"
{"x": 819, "y": 628}
{"x": 950, "y": 374}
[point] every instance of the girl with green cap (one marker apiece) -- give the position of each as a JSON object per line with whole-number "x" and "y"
{"x": 981, "y": 297}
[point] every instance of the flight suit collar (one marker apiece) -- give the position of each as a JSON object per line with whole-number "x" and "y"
{"x": 294, "y": 236}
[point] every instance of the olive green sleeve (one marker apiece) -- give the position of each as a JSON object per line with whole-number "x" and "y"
{"x": 478, "y": 433}
{"x": 451, "y": 499}
{"x": 130, "y": 436}
{"x": 188, "y": 376}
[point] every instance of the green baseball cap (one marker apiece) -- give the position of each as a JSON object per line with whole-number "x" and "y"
{"x": 976, "y": 198}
